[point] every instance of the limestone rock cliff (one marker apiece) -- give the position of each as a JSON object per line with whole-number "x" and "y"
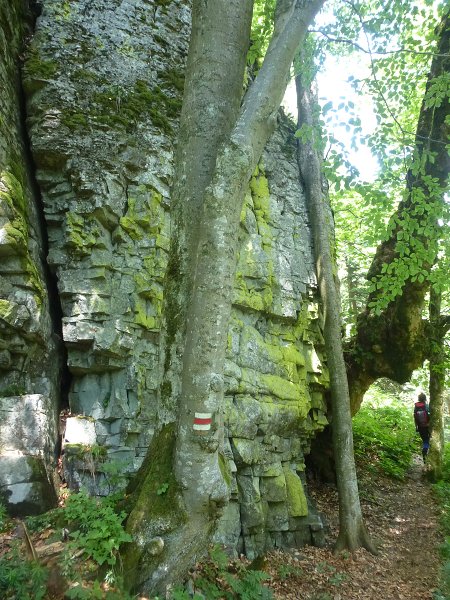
{"x": 29, "y": 361}
{"x": 103, "y": 83}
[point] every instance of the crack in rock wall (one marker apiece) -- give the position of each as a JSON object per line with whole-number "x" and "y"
{"x": 104, "y": 84}
{"x": 29, "y": 362}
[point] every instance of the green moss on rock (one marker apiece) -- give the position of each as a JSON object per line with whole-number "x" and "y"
{"x": 11, "y": 191}
{"x": 273, "y": 489}
{"x": 255, "y": 299}
{"x": 173, "y": 78}
{"x": 81, "y": 233}
{"x": 255, "y": 281}
{"x": 6, "y": 309}
{"x": 132, "y": 228}
{"x": 15, "y": 238}
{"x": 144, "y": 216}
{"x": 224, "y": 467}
{"x": 37, "y": 67}
{"x": 296, "y": 499}
{"x": 13, "y": 389}
{"x": 145, "y": 315}
{"x": 259, "y": 187}
{"x": 74, "y": 120}
{"x": 118, "y": 106}
{"x": 15, "y": 234}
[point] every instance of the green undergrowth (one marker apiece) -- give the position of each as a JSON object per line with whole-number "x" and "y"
{"x": 385, "y": 439}
{"x": 88, "y": 566}
{"x": 3, "y": 517}
{"x": 96, "y": 528}
{"x": 442, "y": 490}
{"x": 21, "y": 579}
{"x": 218, "y": 578}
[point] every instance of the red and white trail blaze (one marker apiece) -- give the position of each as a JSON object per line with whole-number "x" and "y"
{"x": 202, "y": 421}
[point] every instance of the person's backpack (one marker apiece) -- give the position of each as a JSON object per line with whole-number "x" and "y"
{"x": 421, "y": 415}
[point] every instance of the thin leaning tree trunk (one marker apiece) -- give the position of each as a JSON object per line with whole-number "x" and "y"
{"x": 437, "y": 387}
{"x": 352, "y": 532}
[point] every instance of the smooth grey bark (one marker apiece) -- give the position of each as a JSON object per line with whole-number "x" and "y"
{"x": 197, "y": 464}
{"x": 212, "y": 96}
{"x": 211, "y": 102}
{"x": 206, "y": 257}
{"x": 352, "y": 532}
{"x": 352, "y": 291}
{"x": 436, "y": 387}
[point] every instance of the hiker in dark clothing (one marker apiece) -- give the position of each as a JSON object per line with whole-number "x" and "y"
{"x": 422, "y": 421}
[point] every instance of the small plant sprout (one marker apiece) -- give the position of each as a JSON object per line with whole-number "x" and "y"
{"x": 162, "y": 489}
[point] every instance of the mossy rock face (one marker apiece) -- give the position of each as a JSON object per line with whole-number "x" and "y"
{"x": 297, "y": 503}
{"x": 29, "y": 362}
{"x": 103, "y": 110}
{"x": 276, "y": 372}
{"x": 273, "y": 489}
{"x": 37, "y": 70}
{"x": 104, "y": 87}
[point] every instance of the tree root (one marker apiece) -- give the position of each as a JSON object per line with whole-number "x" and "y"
{"x": 152, "y": 573}
{"x": 355, "y": 539}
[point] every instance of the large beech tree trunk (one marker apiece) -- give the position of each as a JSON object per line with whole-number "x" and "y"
{"x": 352, "y": 532}
{"x": 211, "y": 102}
{"x": 169, "y": 537}
{"x": 394, "y": 343}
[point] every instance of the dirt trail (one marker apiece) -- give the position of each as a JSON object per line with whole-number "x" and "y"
{"x": 402, "y": 518}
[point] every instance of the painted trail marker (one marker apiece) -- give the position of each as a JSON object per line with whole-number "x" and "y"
{"x": 202, "y": 422}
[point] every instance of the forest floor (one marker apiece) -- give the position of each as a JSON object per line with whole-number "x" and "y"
{"x": 402, "y": 518}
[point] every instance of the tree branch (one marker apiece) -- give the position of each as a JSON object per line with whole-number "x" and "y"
{"x": 392, "y": 340}
{"x": 340, "y": 40}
